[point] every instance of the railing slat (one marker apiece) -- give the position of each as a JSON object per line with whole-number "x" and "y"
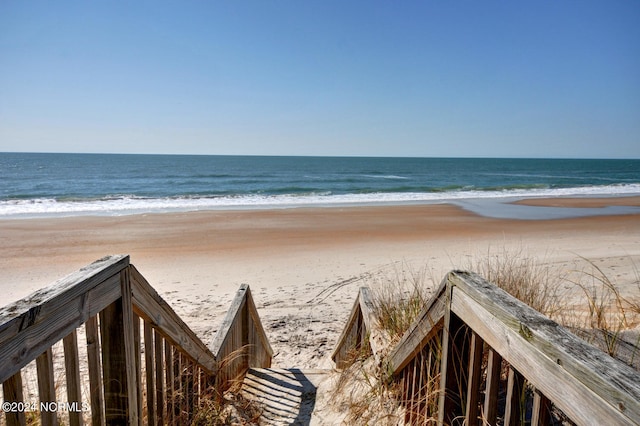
{"x": 513, "y": 414}
{"x": 46, "y": 387}
{"x": 138, "y": 365}
{"x": 150, "y": 376}
{"x": 494, "y": 368}
{"x": 159, "y": 382}
{"x": 540, "y": 410}
{"x": 12, "y": 392}
{"x": 95, "y": 375}
{"x": 169, "y": 382}
{"x": 474, "y": 375}
{"x": 72, "y": 372}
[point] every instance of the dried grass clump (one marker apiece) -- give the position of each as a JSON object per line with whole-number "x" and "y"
{"x": 531, "y": 280}
{"x": 612, "y": 321}
{"x": 399, "y": 296}
{"x": 364, "y": 392}
{"x": 228, "y": 409}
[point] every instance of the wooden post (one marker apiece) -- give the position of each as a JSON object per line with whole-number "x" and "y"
{"x": 129, "y": 347}
{"x": 12, "y": 392}
{"x": 118, "y": 359}
{"x": 113, "y": 364}
{"x": 72, "y": 370}
{"x": 453, "y": 379}
{"x": 46, "y": 387}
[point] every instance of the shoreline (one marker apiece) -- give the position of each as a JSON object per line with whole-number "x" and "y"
{"x": 293, "y": 258}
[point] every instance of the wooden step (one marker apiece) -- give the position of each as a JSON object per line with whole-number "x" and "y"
{"x": 290, "y": 396}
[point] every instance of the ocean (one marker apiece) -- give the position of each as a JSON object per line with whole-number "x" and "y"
{"x": 41, "y": 185}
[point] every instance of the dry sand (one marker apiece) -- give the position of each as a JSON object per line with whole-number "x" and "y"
{"x": 304, "y": 266}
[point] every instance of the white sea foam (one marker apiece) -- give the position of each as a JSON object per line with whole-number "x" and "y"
{"x": 125, "y": 205}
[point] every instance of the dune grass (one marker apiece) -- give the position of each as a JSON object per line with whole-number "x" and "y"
{"x": 587, "y": 300}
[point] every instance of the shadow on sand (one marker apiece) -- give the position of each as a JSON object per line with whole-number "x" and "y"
{"x": 287, "y": 396}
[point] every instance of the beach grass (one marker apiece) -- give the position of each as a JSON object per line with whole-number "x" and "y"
{"x": 603, "y": 316}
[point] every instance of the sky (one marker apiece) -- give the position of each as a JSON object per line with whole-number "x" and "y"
{"x": 368, "y": 78}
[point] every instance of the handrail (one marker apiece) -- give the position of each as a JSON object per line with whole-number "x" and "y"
{"x": 149, "y": 305}
{"x": 31, "y": 325}
{"x": 585, "y": 383}
{"x": 424, "y": 328}
{"x": 241, "y": 342}
{"x": 469, "y": 317}
{"x": 134, "y": 341}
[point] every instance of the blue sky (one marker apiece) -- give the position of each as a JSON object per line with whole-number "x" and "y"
{"x": 373, "y": 78}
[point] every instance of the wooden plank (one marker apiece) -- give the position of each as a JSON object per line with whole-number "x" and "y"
{"x": 540, "y": 412}
{"x": 149, "y": 363}
{"x": 169, "y": 381}
{"x": 95, "y": 372}
{"x": 12, "y": 392}
{"x": 426, "y": 326}
{"x": 181, "y": 405}
{"x": 72, "y": 372}
{"x": 474, "y": 376}
{"x": 137, "y": 344}
{"x": 114, "y": 365}
{"x": 513, "y": 414}
{"x": 46, "y": 388}
{"x": 492, "y": 388}
{"x": 159, "y": 382}
{"x": 150, "y": 306}
{"x": 586, "y": 384}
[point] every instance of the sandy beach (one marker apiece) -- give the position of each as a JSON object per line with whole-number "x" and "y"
{"x": 304, "y": 265}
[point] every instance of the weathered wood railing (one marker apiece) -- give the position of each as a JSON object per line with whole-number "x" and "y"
{"x": 362, "y": 333}
{"x": 241, "y": 341}
{"x": 143, "y": 363}
{"x": 476, "y": 355}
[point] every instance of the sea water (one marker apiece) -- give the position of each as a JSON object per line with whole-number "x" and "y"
{"x": 36, "y": 185}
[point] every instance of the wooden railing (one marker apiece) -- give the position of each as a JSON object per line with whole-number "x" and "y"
{"x": 241, "y": 342}
{"x": 476, "y": 355}
{"x": 361, "y": 334}
{"x": 143, "y": 363}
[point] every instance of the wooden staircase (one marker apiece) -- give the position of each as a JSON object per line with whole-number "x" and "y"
{"x": 291, "y": 396}
{"x": 146, "y": 366}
